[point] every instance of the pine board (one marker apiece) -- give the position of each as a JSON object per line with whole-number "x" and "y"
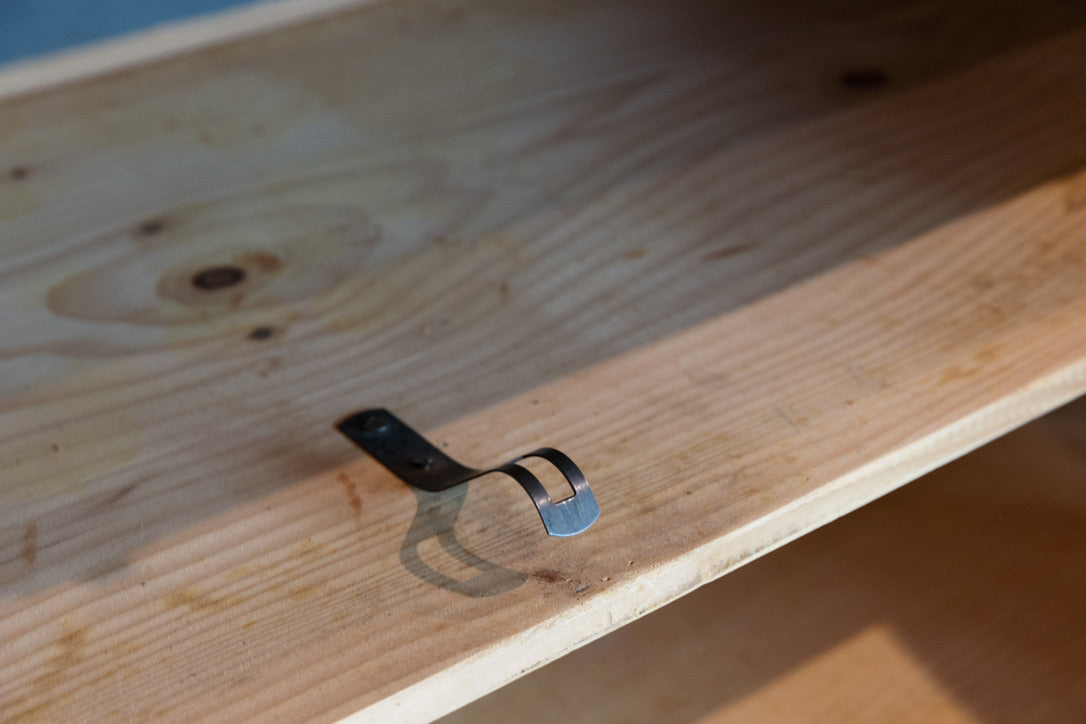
{"x": 959, "y": 598}
{"x": 514, "y": 224}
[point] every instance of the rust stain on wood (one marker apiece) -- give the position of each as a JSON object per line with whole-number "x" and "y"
{"x": 30, "y": 543}
{"x": 352, "y": 495}
{"x": 549, "y": 575}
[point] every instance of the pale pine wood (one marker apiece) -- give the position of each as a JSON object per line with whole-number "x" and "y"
{"x": 440, "y": 209}
{"x": 959, "y": 598}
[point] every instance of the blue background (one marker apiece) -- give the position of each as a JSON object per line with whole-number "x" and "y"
{"x": 33, "y": 27}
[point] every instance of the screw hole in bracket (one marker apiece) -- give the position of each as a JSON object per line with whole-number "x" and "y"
{"x": 411, "y": 458}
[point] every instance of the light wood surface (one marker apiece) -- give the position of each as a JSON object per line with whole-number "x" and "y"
{"x": 959, "y": 598}
{"x": 514, "y": 224}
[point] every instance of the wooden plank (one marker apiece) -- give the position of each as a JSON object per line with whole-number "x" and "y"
{"x": 730, "y": 440}
{"x": 175, "y": 498}
{"x": 502, "y": 220}
{"x": 959, "y": 598}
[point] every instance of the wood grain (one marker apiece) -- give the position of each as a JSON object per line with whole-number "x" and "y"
{"x": 959, "y": 598}
{"x": 447, "y": 207}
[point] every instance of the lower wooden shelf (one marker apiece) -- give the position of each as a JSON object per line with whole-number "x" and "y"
{"x": 960, "y": 597}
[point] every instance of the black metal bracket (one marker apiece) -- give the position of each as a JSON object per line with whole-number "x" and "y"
{"x": 411, "y": 458}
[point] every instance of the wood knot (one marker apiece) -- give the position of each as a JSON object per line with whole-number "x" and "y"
{"x": 218, "y": 277}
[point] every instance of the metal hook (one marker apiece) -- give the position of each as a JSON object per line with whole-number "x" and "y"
{"x": 411, "y": 458}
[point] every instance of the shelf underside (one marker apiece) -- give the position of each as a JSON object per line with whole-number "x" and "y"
{"x": 750, "y": 265}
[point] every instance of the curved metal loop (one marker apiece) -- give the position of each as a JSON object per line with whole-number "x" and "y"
{"x": 412, "y": 459}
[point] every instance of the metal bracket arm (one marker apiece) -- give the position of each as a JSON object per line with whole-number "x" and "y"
{"x": 411, "y": 458}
